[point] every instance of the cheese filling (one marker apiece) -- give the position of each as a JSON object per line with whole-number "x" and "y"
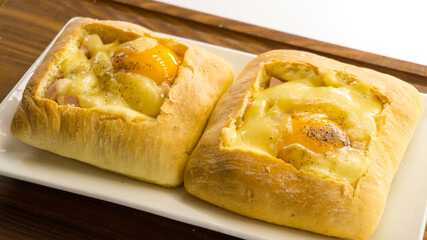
{"x": 318, "y": 122}
{"x": 129, "y": 79}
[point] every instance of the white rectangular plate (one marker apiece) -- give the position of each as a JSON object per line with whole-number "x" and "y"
{"x": 404, "y": 216}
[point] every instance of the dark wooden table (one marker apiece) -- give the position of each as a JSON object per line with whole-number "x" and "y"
{"x": 30, "y": 211}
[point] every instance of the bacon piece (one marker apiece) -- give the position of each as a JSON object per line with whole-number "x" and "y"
{"x": 274, "y": 82}
{"x": 51, "y": 92}
{"x": 70, "y": 100}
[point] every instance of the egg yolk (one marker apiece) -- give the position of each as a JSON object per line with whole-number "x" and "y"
{"x": 158, "y": 63}
{"x": 316, "y": 134}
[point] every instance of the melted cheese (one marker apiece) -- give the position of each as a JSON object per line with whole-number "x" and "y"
{"x": 97, "y": 83}
{"x": 346, "y": 111}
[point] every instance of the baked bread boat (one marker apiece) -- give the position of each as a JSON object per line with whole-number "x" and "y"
{"x": 120, "y": 97}
{"x": 307, "y": 142}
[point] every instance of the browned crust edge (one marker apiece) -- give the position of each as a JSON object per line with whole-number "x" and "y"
{"x": 266, "y": 188}
{"x": 144, "y": 150}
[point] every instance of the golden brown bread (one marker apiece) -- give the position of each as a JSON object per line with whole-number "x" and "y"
{"x": 156, "y": 150}
{"x": 263, "y": 186}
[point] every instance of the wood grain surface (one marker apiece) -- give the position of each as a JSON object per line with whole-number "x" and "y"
{"x": 30, "y": 211}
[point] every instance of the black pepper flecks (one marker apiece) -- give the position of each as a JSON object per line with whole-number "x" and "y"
{"x": 328, "y": 133}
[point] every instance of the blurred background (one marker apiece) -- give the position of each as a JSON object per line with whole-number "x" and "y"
{"x": 396, "y": 29}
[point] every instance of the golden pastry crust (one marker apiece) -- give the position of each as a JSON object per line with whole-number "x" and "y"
{"x": 154, "y": 151}
{"x": 264, "y": 187}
